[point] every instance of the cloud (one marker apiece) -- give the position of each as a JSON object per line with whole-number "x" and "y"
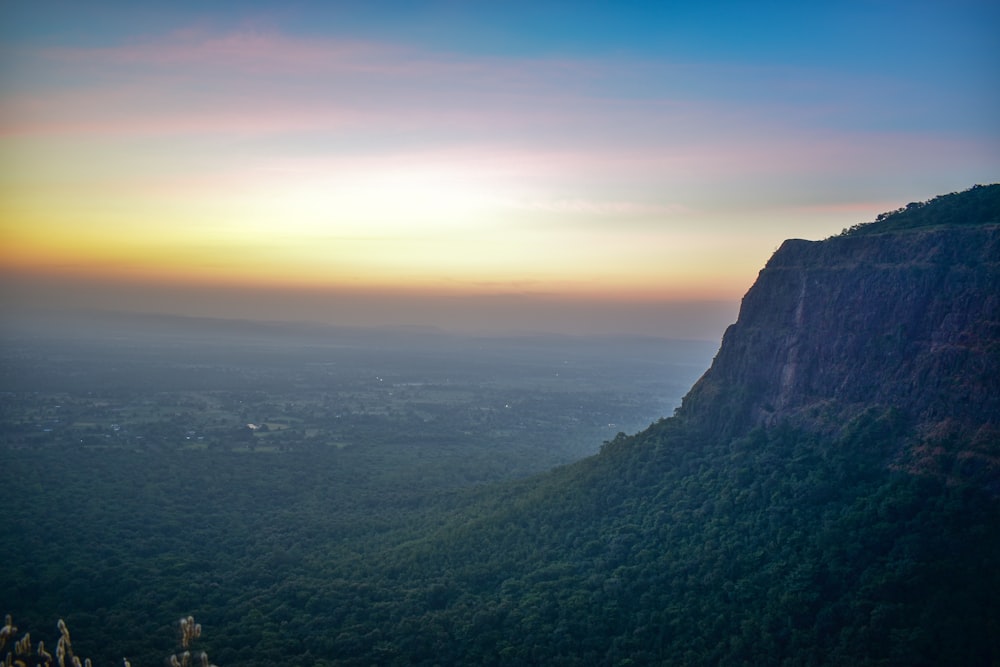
{"x": 450, "y": 167}
{"x": 648, "y": 135}
{"x": 251, "y": 82}
{"x": 287, "y": 81}
{"x": 595, "y": 207}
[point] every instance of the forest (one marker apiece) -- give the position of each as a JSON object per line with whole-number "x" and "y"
{"x": 778, "y": 547}
{"x": 775, "y": 548}
{"x": 186, "y": 466}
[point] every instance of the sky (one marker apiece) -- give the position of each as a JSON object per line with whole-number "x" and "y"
{"x": 572, "y": 167}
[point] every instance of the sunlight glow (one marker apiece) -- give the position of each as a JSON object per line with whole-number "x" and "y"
{"x": 259, "y": 156}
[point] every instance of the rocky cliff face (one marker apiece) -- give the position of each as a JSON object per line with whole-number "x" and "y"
{"x": 907, "y": 319}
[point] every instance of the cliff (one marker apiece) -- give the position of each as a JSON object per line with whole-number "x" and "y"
{"x": 892, "y": 316}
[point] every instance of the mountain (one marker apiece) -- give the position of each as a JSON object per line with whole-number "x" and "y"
{"x": 827, "y": 493}
{"x": 902, "y": 314}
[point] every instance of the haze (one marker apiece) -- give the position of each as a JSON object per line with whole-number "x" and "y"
{"x": 513, "y": 167}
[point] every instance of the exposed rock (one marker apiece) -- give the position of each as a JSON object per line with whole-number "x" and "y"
{"x": 907, "y": 320}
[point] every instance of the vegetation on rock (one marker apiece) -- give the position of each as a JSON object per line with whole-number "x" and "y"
{"x": 979, "y": 205}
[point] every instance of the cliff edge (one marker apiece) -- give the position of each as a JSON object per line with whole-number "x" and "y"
{"x": 899, "y": 315}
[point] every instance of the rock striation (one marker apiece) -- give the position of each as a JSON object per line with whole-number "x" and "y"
{"x": 887, "y": 316}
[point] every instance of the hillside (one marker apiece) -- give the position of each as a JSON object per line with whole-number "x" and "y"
{"x": 827, "y": 494}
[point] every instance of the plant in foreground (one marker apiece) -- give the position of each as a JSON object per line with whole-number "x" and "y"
{"x": 23, "y": 654}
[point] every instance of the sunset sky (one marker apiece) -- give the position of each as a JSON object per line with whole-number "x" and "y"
{"x": 620, "y": 167}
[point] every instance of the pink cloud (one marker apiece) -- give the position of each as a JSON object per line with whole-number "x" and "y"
{"x": 249, "y": 51}
{"x": 260, "y": 82}
{"x": 258, "y": 53}
{"x": 141, "y": 110}
{"x": 584, "y": 136}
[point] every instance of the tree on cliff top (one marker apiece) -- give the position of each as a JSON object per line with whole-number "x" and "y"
{"x": 979, "y": 205}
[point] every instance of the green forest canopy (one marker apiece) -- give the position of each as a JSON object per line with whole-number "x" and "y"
{"x": 979, "y": 205}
